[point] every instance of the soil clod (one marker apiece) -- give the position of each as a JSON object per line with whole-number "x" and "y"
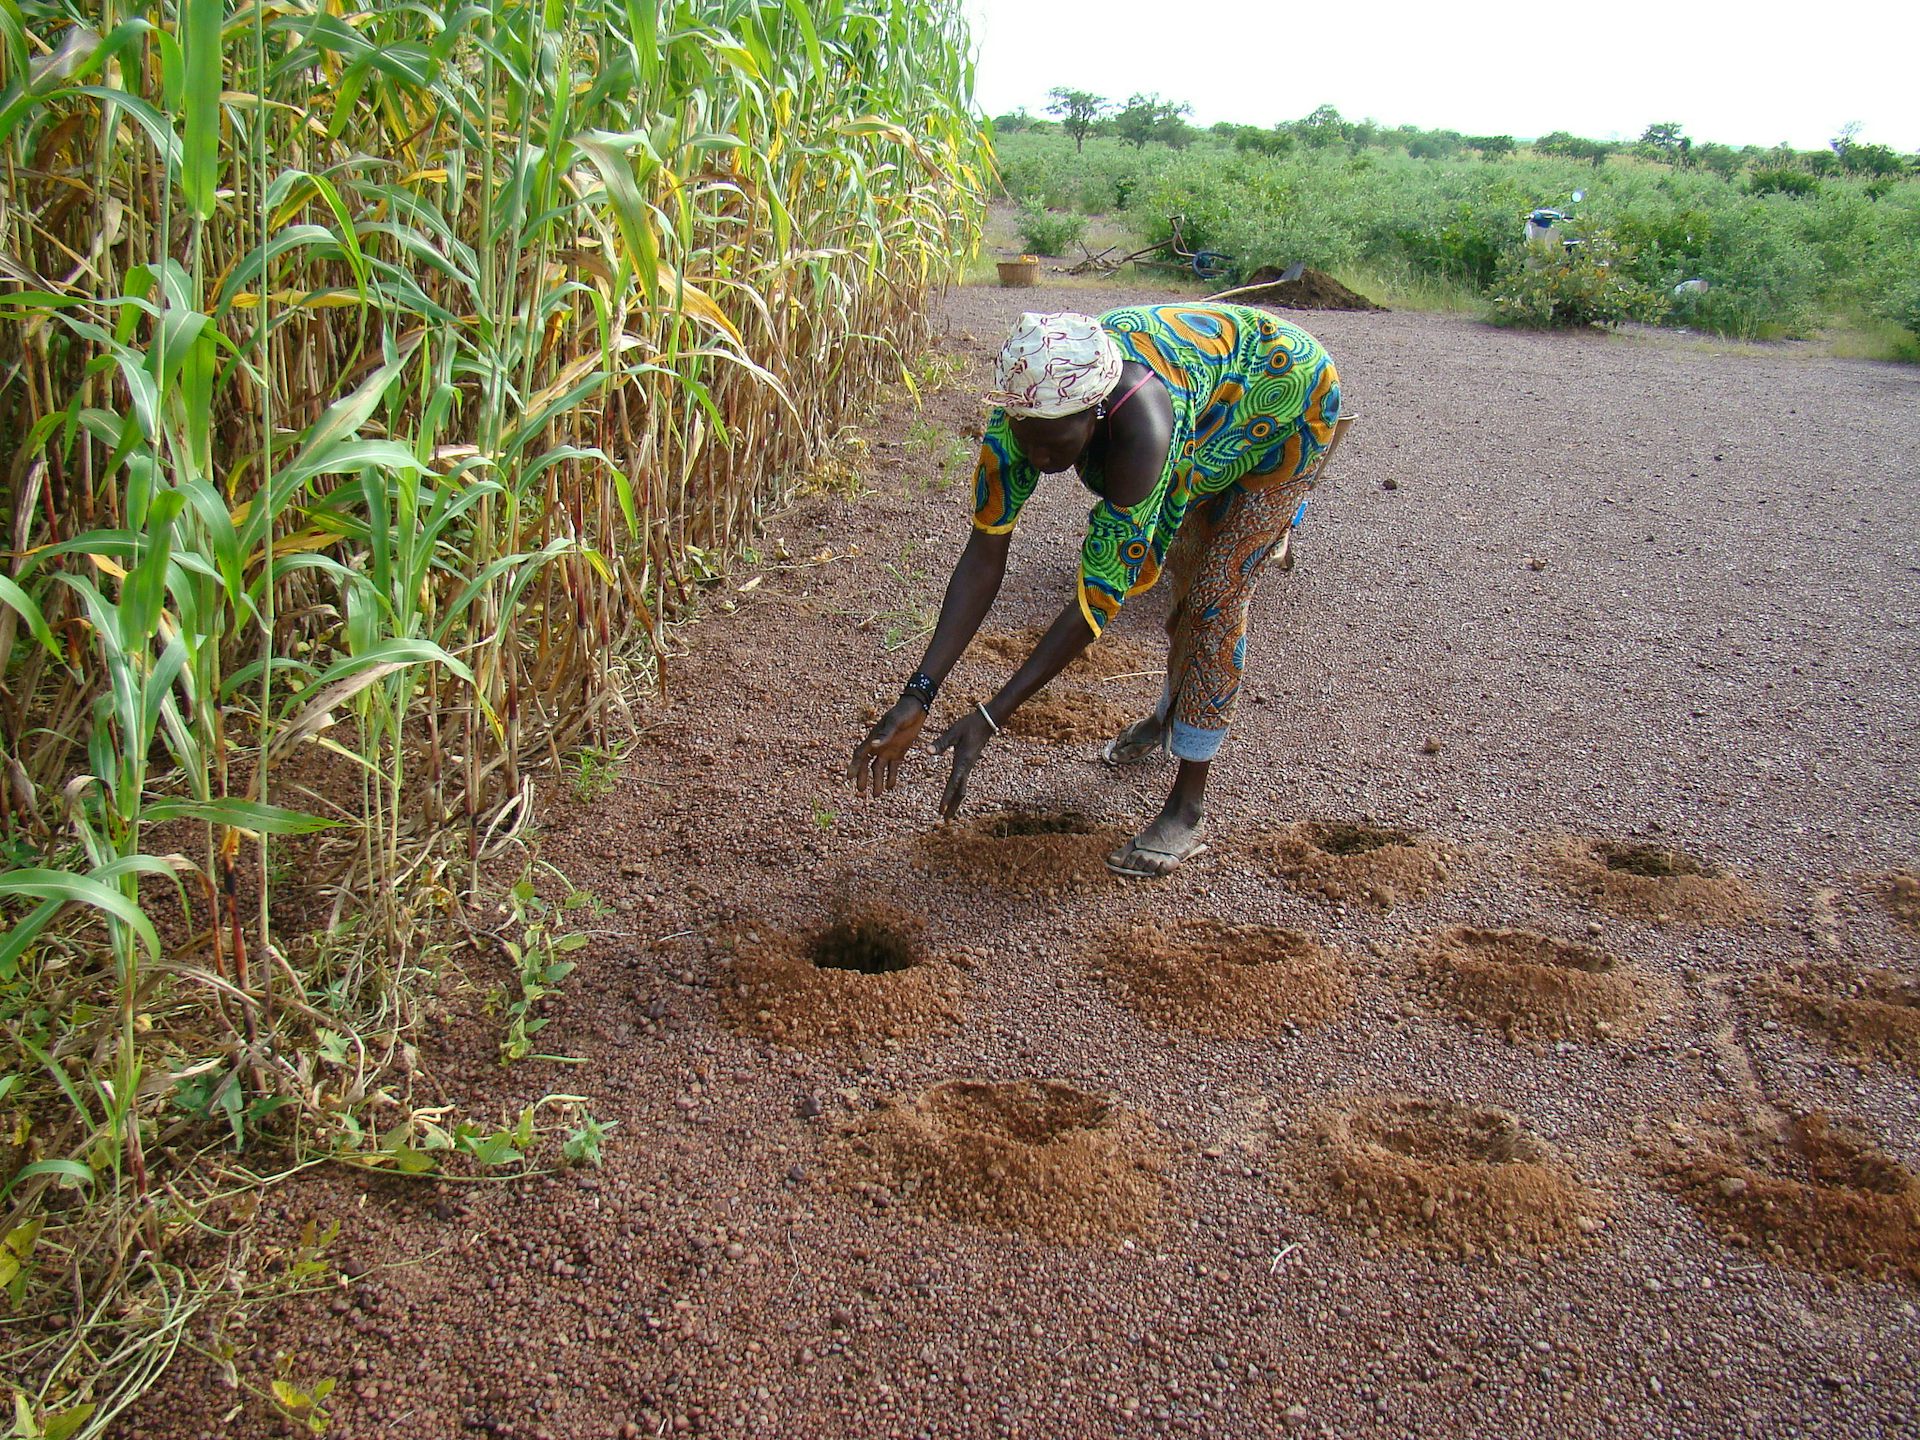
{"x": 1653, "y": 881}
{"x": 1529, "y": 985}
{"x": 1901, "y": 891}
{"x": 1435, "y": 1174}
{"x": 1804, "y": 1191}
{"x": 1035, "y": 1155}
{"x": 860, "y": 979}
{"x": 1343, "y": 861}
{"x": 1227, "y": 980}
{"x": 1870, "y": 1013}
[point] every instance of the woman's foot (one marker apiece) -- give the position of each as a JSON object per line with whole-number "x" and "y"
{"x": 1137, "y": 743}
{"x": 1172, "y": 838}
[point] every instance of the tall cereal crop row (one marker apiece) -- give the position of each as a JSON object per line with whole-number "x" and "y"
{"x": 378, "y": 381}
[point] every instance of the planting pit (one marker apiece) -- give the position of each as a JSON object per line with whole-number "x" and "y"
{"x": 1344, "y": 862}
{"x": 860, "y": 980}
{"x": 1653, "y": 881}
{"x": 1039, "y": 1156}
{"x": 1874, "y": 1014}
{"x": 1533, "y": 986}
{"x": 1234, "y": 981}
{"x": 1426, "y": 1172}
{"x": 1803, "y": 1191}
{"x": 1025, "y": 852}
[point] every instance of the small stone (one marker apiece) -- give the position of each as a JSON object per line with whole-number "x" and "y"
{"x": 1389, "y": 484}
{"x": 810, "y": 1107}
{"x": 1535, "y": 563}
{"x": 1732, "y": 1185}
{"x": 735, "y": 1250}
{"x": 1296, "y": 1415}
{"x": 1431, "y": 745}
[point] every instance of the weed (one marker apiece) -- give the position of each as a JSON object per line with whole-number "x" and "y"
{"x": 594, "y": 772}
{"x": 823, "y": 818}
{"x": 583, "y": 1144}
{"x": 536, "y": 951}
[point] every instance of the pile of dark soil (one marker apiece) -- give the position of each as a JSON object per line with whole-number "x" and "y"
{"x": 1870, "y": 1013}
{"x": 1234, "y": 981}
{"x": 1033, "y": 1155}
{"x": 1901, "y": 891}
{"x": 1652, "y": 881}
{"x": 1803, "y": 1191}
{"x": 1465, "y": 1179}
{"x": 1309, "y": 290}
{"x": 1530, "y": 985}
{"x": 861, "y": 979}
{"x": 1027, "y": 852}
{"x": 1342, "y": 862}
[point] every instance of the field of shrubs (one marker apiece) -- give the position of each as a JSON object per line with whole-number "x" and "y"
{"x": 1789, "y": 243}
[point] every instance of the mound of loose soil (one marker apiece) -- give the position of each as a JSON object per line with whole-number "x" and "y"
{"x": 1070, "y": 717}
{"x": 1525, "y": 984}
{"x": 1345, "y": 862}
{"x": 1872, "y": 1013}
{"x": 863, "y": 978}
{"x": 1219, "y": 979}
{"x": 1028, "y": 852}
{"x": 1804, "y": 1191}
{"x": 1427, "y": 1172}
{"x": 1901, "y": 891}
{"x": 1651, "y": 880}
{"x": 1310, "y": 290}
{"x": 1033, "y": 1155}
{"x": 1108, "y": 658}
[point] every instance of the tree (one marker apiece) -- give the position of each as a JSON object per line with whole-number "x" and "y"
{"x": 1079, "y": 112}
{"x": 1491, "y": 147}
{"x": 1665, "y": 141}
{"x": 1148, "y": 117}
{"x": 1722, "y": 160}
{"x": 1322, "y": 128}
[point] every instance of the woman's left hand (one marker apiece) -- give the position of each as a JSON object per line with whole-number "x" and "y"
{"x": 966, "y": 737}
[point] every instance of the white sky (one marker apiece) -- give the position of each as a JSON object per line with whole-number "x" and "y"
{"x": 1737, "y": 71}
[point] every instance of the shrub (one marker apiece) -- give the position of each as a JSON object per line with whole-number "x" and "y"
{"x": 1782, "y": 181}
{"x": 1047, "y": 232}
{"x": 1589, "y": 285}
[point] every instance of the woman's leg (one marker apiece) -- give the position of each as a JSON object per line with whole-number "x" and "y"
{"x": 1206, "y": 657}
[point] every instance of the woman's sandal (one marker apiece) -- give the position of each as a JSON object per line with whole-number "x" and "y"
{"x": 1118, "y": 861}
{"x": 1121, "y": 751}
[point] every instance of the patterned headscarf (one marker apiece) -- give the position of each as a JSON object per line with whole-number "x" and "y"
{"x": 1055, "y": 365}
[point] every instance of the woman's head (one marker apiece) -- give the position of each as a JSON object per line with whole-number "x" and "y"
{"x": 1052, "y": 372}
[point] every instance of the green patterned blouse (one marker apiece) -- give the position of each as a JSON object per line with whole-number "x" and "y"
{"x": 1254, "y": 402}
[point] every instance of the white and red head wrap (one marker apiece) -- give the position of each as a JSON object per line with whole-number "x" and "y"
{"x": 1055, "y": 365}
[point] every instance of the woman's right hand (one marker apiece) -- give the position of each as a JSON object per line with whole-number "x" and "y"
{"x": 876, "y": 760}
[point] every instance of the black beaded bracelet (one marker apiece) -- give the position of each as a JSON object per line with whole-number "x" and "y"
{"x": 921, "y": 688}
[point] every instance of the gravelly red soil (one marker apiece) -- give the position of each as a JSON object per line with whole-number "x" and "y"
{"x": 1633, "y": 586}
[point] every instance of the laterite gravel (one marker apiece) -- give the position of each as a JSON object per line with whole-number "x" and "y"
{"x": 1639, "y": 586}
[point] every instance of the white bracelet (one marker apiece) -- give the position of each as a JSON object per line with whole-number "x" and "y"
{"x": 988, "y": 718}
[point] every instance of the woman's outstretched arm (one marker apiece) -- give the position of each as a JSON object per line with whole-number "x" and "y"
{"x": 970, "y": 595}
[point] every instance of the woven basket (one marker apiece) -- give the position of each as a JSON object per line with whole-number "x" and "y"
{"x": 1019, "y": 274}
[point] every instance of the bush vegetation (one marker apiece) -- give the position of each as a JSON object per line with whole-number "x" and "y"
{"x": 1788, "y": 241}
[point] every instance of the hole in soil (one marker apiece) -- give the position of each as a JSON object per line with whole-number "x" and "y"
{"x": 1631, "y": 857}
{"x": 871, "y": 947}
{"x": 1340, "y": 838}
{"x": 1030, "y": 822}
{"x": 1438, "y": 1132}
{"x": 1025, "y": 1112}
